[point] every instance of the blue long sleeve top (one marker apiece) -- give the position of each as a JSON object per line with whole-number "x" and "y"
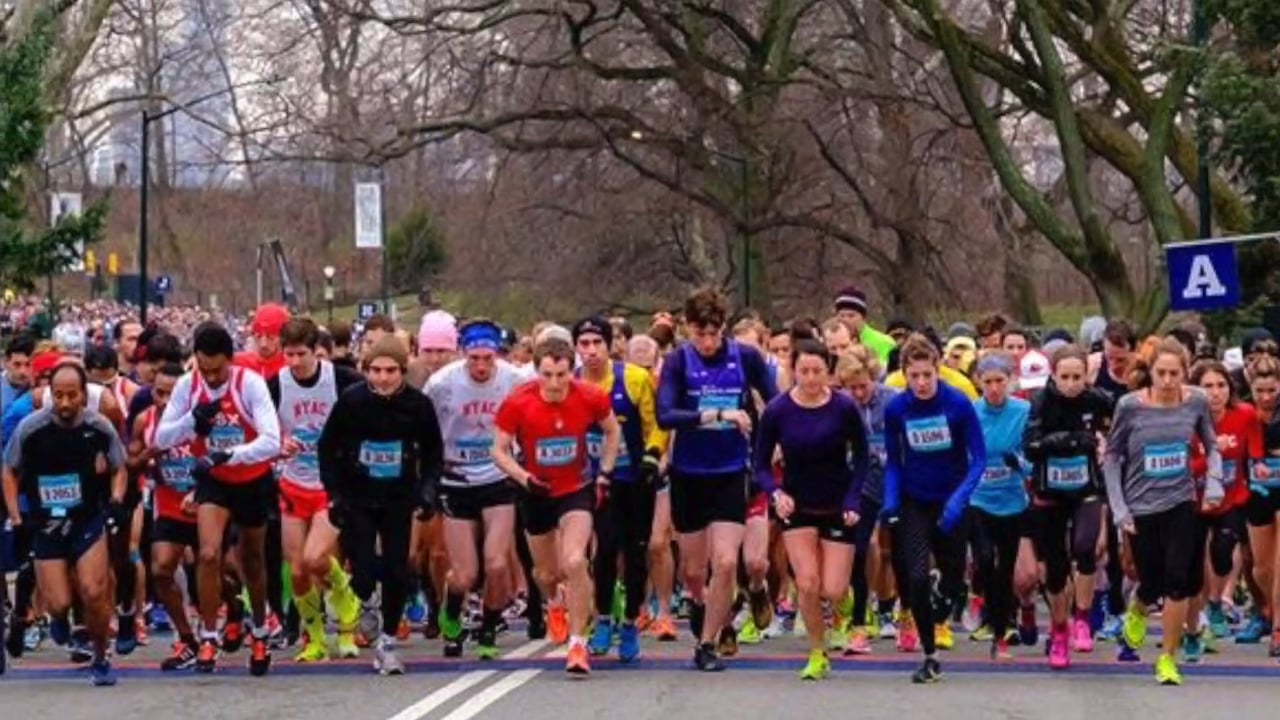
{"x": 817, "y": 446}
{"x": 934, "y": 447}
{"x": 1003, "y": 490}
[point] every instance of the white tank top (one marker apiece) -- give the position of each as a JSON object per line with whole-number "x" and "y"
{"x": 95, "y": 397}
{"x": 303, "y": 412}
{"x": 466, "y": 413}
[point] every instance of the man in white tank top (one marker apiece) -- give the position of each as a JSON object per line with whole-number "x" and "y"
{"x": 303, "y": 394}
{"x": 474, "y": 493}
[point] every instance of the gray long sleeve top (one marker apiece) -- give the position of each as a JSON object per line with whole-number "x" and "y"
{"x": 1148, "y": 459}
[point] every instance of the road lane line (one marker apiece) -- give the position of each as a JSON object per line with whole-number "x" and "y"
{"x": 476, "y": 704}
{"x": 443, "y": 695}
{"x": 526, "y": 650}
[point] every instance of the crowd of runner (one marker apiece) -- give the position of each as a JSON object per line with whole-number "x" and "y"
{"x": 862, "y": 489}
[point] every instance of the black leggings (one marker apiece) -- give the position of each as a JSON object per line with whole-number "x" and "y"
{"x": 24, "y": 589}
{"x": 365, "y": 526}
{"x": 274, "y": 559}
{"x": 917, "y": 537}
{"x": 533, "y": 593}
{"x": 1050, "y": 534}
{"x": 997, "y": 539}
{"x": 623, "y": 524}
{"x": 1163, "y": 550}
{"x": 1217, "y": 535}
{"x": 862, "y": 533}
{"x": 122, "y": 565}
{"x": 1115, "y": 570}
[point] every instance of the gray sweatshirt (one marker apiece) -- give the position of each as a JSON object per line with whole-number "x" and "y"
{"x": 1148, "y": 461}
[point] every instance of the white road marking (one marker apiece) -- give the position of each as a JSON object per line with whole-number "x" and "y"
{"x": 443, "y": 695}
{"x": 483, "y": 699}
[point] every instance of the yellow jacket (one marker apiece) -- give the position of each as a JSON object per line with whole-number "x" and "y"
{"x": 954, "y": 378}
{"x": 641, "y": 391}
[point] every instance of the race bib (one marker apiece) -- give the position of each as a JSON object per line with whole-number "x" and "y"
{"x": 307, "y": 439}
{"x": 176, "y": 473}
{"x": 59, "y": 493}
{"x": 712, "y": 402}
{"x": 1228, "y": 471}
{"x": 1273, "y": 478}
{"x": 875, "y": 443}
{"x": 997, "y": 474}
{"x": 383, "y": 460}
{"x": 556, "y": 452}
{"x": 226, "y": 437}
{"x": 475, "y": 451}
{"x": 1166, "y": 461}
{"x": 1067, "y": 474}
{"x": 595, "y": 444}
{"x": 931, "y": 434}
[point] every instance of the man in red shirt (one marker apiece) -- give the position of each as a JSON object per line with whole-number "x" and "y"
{"x": 550, "y": 418}
{"x": 266, "y": 358}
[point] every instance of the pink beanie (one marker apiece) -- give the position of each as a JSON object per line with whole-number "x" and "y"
{"x": 438, "y": 331}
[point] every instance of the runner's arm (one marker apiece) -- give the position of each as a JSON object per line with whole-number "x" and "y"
{"x": 176, "y": 424}
{"x": 266, "y": 446}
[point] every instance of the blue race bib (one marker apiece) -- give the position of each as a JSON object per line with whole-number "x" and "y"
{"x": 1166, "y": 461}
{"x": 1228, "y": 472}
{"x": 307, "y": 439}
{"x": 1067, "y": 474}
{"x": 226, "y": 437}
{"x": 930, "y": 434}
{"x": 556, "y": 451}
{"x": 876, "y": 446}
{"x": 1273, "y": 479}
{"x": 383, "y": 460}
{"x": 997, "y": 473}
{"x": 712, "y": 402}
{"x": 59, "y": 493}
{"x": 176, "y": 473}
{"x": 475, "y": 451}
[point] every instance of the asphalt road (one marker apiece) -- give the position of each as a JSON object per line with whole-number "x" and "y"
{"x": 528, "y": 683}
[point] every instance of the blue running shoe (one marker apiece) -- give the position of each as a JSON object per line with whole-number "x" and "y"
{"x": 60, "y": 631}
{"x": 101, "y": 674}
{"x": 1192, "y": 648}
{"x": 126, "y": 635}
{"x": 1098, "y": 611}
{"x": 1253, "y": 633}
{"x": 629, "y": 642}
{"x": 1126, "y": 654}
{"x": 1028, "y": 635}
{"x": 416, "y": 613}
{"x": 601, "y": 637}
{"x": 160, "y": 620}
{"x": 1112, "y": 626}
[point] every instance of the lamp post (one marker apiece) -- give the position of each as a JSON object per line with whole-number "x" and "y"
{"x": 329, "y": 272}
{"x": 149, "y": 117}
{"x": 1200, "y": 37}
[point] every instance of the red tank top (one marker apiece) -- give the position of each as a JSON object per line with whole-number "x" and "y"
{"x": 231, "y": 427}
{"x": 172, "y": 473}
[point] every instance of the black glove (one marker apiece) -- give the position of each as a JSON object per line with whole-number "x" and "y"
{"x": 118, "y": 517}
{"x": 649, "y": 469}
{"x": 203, "y": 414}
{"x": 602, "y": 494}
{"x": 1012, "y": 462}
{"x": 338, "y": 512}
{"x": 203, "y": 471}
{"x": 538, "y": 486}
{"x": 427, "y": 502}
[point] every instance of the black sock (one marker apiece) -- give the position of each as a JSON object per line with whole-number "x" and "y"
{"x": 453, "y": 604}
{"x": 885, "y": 605}
{"x": 188, "y": 640}
{"x": 491, "y": 619}
{"x": 697, "y": 614}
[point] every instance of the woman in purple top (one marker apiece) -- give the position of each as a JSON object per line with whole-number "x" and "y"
{"x": 824, "y": 458}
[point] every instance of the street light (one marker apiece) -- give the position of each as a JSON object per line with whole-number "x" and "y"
{"x": 149, "y": 117}
{"x": 329, "y": 272}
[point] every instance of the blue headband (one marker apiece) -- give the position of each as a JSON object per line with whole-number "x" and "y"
{"x": 481, "y": 336}
{"x": 996, "y": 362}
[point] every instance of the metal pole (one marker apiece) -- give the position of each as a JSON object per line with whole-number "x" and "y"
{"x": 746, "y": 236}
{"x": 382, "y": 225}
{"x": 258, "y": 292}
{"x": 1200, "y": 36}
{"x": 145, "y": 170}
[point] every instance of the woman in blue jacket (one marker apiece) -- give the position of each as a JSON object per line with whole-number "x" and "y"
{"x": 936, "y": 456}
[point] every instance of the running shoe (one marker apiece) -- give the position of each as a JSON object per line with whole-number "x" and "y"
{"x": 1059, "y": 652}
{"x": 207, "y": 656}
{"x": 1253, "y": 632}
{"x": 416, "y": 610}
{"x": 908, "y": 638}
{"x": 601, "y": 637}
{"x": 370, "y": 622}
{"x": 315, "y": 651}
{"x": 1218, "y": 621}
{"x": 982, "y": 634}
{"x": 1112, "y": 627}
{"x": 837, "y": 637}
{"x": 101, "y": 675}
{"x": 578, "y": 662}
{"x": 232, "y": 637}
{"x": 1081, "y": 636}
{"x": 16, "y": 640}
{"x": 775, "y": 629}
{"x": 888, "y": 628}
{"x": 749, "y": 634}
{"x": 347, "y": 647}
{"x": 403, "y": 630}
{"x": 1167, "y": 671}
{"x": 60, "y": 631}
{"x": 1135, "y": 625}
{"x": 160, "y": 620}
{"x": 126, "y": 635}
{"x": 930, "y": 672}
{"x": 706, "y": 659}
{"x": 664, "y": 629}
{"x": 35, "y": 635}
{"x": 558, "y": 625}
{"x": 972, "y": 619}
{"x": 859, "y": 642}
{"x": 943, "y": 636}
{"x": 183, "y": 658}
{"x": 818, "y": 667}
{"x": 259, "y": 656}
{"x": 142, "y": 634}
{"x": 761, "y": 608}
{"x": 728, "y": 644}
{"x": 1193, "y": 647}
{"x": 629, "y": 642}
{"x": 487, "y": 643}
{"x": 1000, "y": 650}
{"x": 1028, "y": 632}
{"x": 385, "y": 660}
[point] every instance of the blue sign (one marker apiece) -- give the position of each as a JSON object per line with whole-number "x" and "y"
{"x": 164, "y": 284}
{"x": 1203, "y": 276}
{"x": 366, "y": 309}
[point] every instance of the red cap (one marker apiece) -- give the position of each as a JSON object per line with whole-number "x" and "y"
{"x": 44, "y": 363}
{"x": 269, "y": 319}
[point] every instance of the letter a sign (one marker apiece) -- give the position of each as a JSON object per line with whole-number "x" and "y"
{"x": 1203, "y": 276}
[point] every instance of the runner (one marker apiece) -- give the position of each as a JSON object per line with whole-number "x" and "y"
{"x": 936, "y": 456}
{"x": 1152, "y": 495}
{"x": 226, "y": 413}
{"x": 623, "y": 526}
{"x": 476, "y": 499}
{"x": 70, "y": 465}
{"x": 1062, "y": 436}
{"x": 550, "y": 420}
{"x": 304, "y": 395}
{"x": 1263, "y": 510}
{"x": 265, "y": 358}
{"x": 380, "y": 457}
{"x": 705, "y": 396}
{"x": 851, "y": 306}
{"x": 819, "y": 433}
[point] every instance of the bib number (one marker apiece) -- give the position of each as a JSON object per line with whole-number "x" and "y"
{"x": 1273, "y": 478}
{"x": 226, "y": 437}
{"x": 992, "y": 474}
{"x": 1067, "y": 474}
{"x": 176, "y": 473}
{"x": 556, "y": 452}
{"x": 875, "y": 443}
{"x": 475, "y": 451}
{"x": 718, "y": 402}
{"x": 59, "y": 493}
{"x": 1167, "y": 461}
{"x": 931, "y": 434}
{"x": 307, "y": 439}
{"x": 383, "y": 460}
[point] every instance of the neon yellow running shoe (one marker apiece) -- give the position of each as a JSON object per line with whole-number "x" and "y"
{"x": 982, "y": 634}
{"x": 818, "y": 666}
{"x": 750, "y": 634}
{"x": 316, "y": 651}
{"x": 943, "y": 636}
{"x": 347, "y": 647}
{"x": 1135, "y": 624}
{"x": 1167, "y": 670}
{"x": 837, "y": 636}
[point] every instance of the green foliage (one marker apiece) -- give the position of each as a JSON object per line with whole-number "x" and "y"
{"x": 25, "y": 254}
{"x": 415, "y": 251}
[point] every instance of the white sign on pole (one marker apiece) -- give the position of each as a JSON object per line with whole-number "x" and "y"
{"x": 62, "y": 204}
{"x": 368, "y": 215}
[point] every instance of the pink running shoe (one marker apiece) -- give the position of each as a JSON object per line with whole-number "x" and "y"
{"x": 1081, "y": 636}
{"x": 1059, "y": 655}
{"x": 908, "y": 638}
